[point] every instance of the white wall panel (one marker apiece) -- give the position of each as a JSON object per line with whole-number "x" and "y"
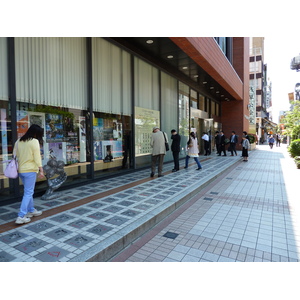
{"x": 111, "y": 78}
{"x": 3, "y": 69}
{"x": 51, "y": 71}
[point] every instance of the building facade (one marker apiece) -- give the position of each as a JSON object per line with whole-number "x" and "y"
{"x": 99, "y": 98}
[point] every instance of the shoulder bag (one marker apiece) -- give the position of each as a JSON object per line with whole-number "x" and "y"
{"x": 11, "y": 170}
{"x": 166, "y": 143}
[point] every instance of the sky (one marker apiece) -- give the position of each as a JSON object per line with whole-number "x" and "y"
{"x": 279, "y": 51}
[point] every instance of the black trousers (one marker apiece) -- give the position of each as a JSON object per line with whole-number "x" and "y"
{"x": 176, "y": 160}
{"x": 222, "y": 149}
{"x": 232, "y": 148}
{"x": 206, "y": 148}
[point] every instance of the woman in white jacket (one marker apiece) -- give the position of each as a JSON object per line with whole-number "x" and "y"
{"x": 193, "y": 151}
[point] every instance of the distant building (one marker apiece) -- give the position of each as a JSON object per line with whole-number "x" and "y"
{"x": 261, "y": 89}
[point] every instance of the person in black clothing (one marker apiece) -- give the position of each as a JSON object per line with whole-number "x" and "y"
{"x": 222, "y": 144}
{"x": 175, "y": 148}
{"x": 218, "y": 142}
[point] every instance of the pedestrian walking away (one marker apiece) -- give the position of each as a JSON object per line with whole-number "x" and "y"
{"x": 193, "y": 151}
{"x": 278, "y": 140}
{"x": 205, "y": 139}
{"x": 157, "y": 143}
{"x": 246, "y": 146}
{"x": 30, "y": 163}
{"x": 233, "y": 142}
{"x": 222, "y": 144}
{"x": 271, "y": 141}
{"x": 175, "y": 148}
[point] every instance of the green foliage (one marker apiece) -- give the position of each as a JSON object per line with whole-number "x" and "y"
{"x": 251, "y": 138}
{"x": 54, "y": 111}
{"x": 294, "y": 148}
{"x": 297, "y": 161}
{"x": 292, "y": 121}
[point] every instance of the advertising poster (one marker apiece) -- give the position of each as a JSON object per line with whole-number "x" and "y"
{"x": 82, "y": 139}
{"x": 58, "y": 150}
{"x": 39, "y": 119}
{"x": 145, "y": 120}
{"x": 72, "y": 153}
{"x": 22, "y": 122}
{"x": 54, "y": 127}
{"x": 98, "y": 150}
{"x": 4, "y": 144}
{"x": 98, "y": 129}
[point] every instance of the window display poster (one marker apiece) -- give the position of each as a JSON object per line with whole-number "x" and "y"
{"x": 108, "y": 150}
{"x": 98, "y": 129}
{"x": 58, "y": 150}
{"x": 4, "y": 144}
{"x": 54, "y": 127}
{"x": 117, "y": 130}
{"x": 72, "y": 153}
{"x": 22, "y": 122}
{"x": 112, "y": 148}
{"x": 39, "y": 119}
{"x": 98, "y": 150}
{"x": 145, "y": 120}
{"x": 82, "y": 138}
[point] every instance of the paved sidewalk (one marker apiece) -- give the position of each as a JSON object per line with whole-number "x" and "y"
{"x": 249, "y": 214}
{"x": 97, "y": 221}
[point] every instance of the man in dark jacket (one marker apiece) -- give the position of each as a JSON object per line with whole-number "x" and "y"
{"x": 233, "y": 142}
{"x": 223, "y": 143}
{"x": 175, "y": 148}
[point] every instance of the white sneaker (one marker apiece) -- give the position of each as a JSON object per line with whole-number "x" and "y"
{"x": 23, "y": 220}
{"x": 35, "y": 213}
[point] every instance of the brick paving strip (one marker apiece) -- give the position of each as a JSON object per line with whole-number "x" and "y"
{"x": 65, "y": 207}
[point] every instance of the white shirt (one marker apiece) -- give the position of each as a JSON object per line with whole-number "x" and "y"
{"x": 205, "y": 137}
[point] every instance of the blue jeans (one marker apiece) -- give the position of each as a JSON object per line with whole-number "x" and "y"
{"x": 28, "y": 180}
{"x": 196, "y": 160}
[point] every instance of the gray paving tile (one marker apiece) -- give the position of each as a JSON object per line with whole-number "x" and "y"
{"x": 58, "y": 233}
{"x": 39, "y": 226}
{"x": 6, "y": 257}
{"x": 31, "y": 245}
{"x": 52, "y": 254}
{"x": 100, "y": 229}
{"x": 78, "y": 241}
{"x": 12, "y": 237}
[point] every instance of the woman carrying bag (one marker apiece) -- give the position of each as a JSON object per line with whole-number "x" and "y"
{"x": 30, "y": 163}
{"x": 193, "y": 151}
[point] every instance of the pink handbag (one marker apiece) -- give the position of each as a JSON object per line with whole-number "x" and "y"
{"x": 11, "y": 170}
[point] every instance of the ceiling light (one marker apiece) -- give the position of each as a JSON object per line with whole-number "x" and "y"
{"x": 217, "y": 92}
{"x": 211, "y": 87}
{"x": 149, "y": 42}
{"x": 184, "y": 68}
{"x": 222, "y": 95}
{"x": 170, "y": 56}
{"x": 204, "y": 82}
{"x": 196, "y": 76}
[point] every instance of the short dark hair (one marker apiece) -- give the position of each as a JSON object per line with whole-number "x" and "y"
{"x": 173, "y": 130}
